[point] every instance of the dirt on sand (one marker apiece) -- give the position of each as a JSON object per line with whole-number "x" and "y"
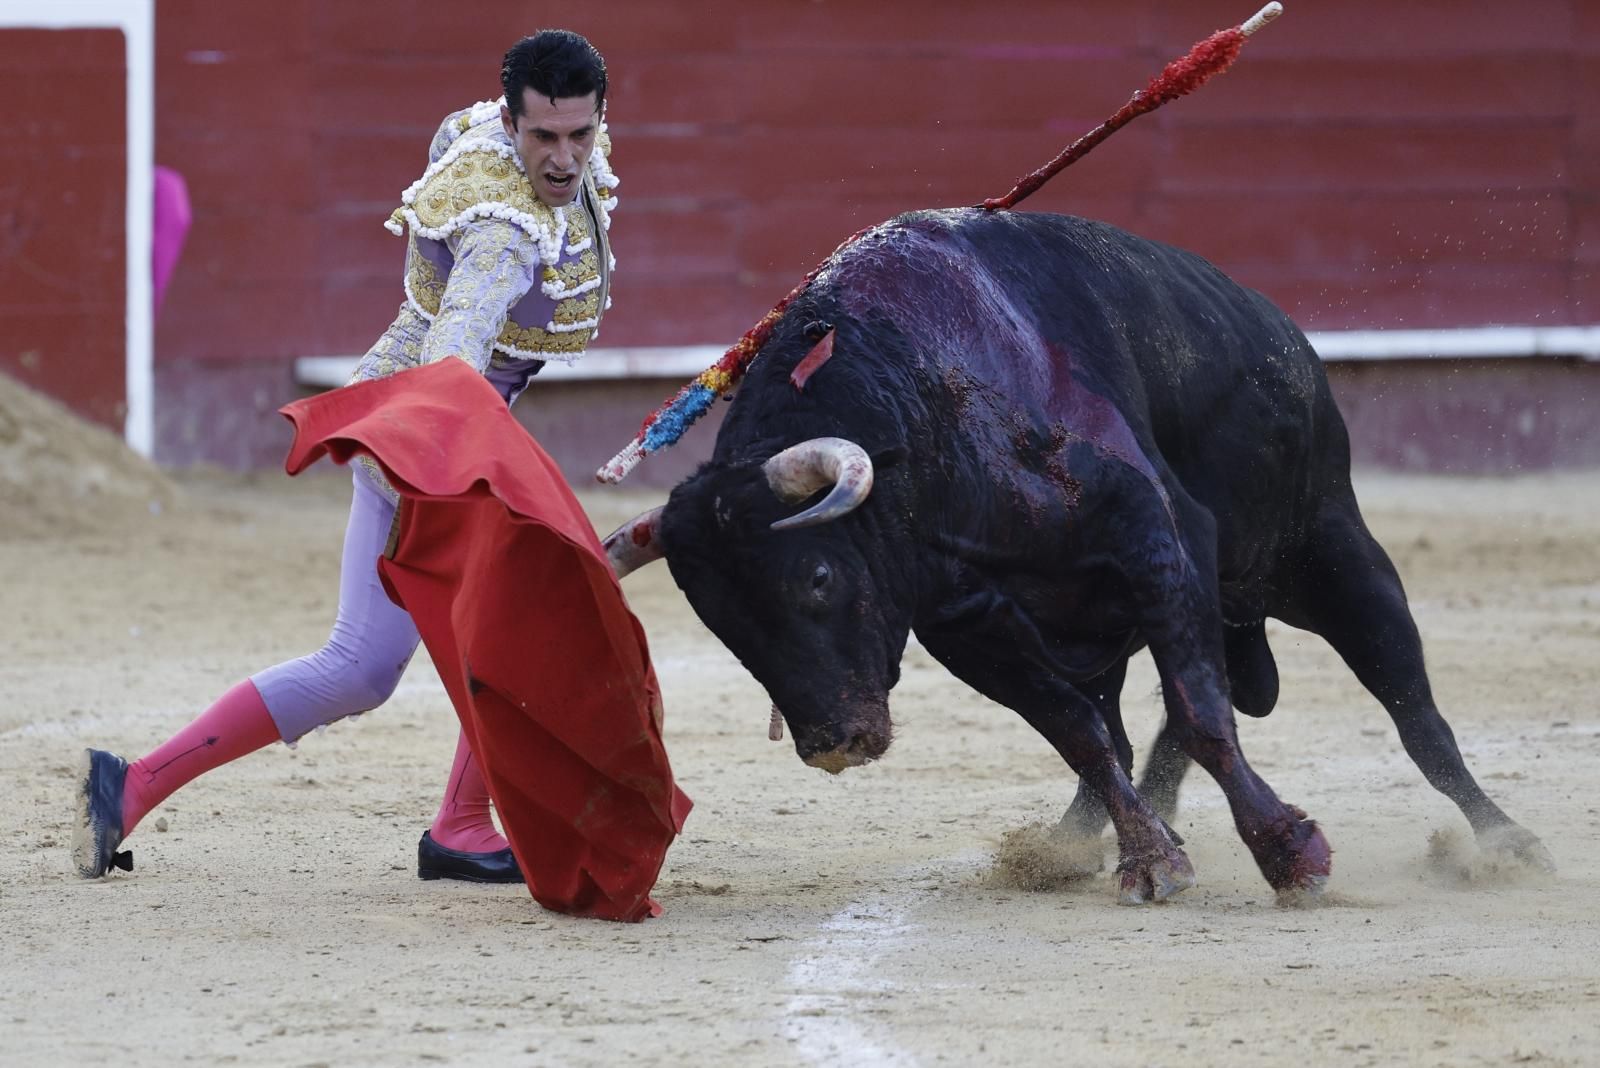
{"x": 809, "y": 919}
{"x": 59, "y": 472}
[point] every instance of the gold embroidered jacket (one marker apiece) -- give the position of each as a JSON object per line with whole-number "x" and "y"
{"x": 492, "y": 274}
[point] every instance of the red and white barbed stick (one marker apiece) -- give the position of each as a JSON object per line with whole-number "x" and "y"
{"x": 1182, "y": 76}
{"x": 1211, "y": 56}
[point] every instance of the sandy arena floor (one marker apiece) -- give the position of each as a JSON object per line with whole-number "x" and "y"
{"x": 809, "y": 920}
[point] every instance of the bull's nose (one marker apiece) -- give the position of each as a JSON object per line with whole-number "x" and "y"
{"x": 870, "y": 744}
{"x": 835, "y": 760}
{"x": 811, "y": 742}
{"x": 861, "y": 749}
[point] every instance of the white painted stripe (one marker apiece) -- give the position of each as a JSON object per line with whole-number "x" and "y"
{"x": 831, "y": 979}
{"x": 136, "y": 20}
{"x": 686, "y": 361}
{"x": 832, "y": 976}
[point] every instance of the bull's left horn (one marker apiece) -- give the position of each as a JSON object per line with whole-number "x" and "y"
{"x": 635, "y": 543}
{"x": 801, "y": 470}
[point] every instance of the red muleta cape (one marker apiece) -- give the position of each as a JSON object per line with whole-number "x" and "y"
{"x": 527, "y": 625}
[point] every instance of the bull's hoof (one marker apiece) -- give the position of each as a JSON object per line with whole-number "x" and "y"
{"x": 1307, "y": 862}
{"x": 1516, "y": 843}
{"x": 1154, "y": 877}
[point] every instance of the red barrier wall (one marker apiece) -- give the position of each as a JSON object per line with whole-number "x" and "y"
{"x": 63, "y": 172}
{"x": 1366, "y": 164}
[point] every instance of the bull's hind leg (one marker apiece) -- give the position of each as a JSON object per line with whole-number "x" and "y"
{"x": 1350, "y": 594}
{"x": 1164, "y": 770}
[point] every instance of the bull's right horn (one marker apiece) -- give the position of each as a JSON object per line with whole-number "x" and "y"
{"x": 801, "y": 470}
{"x": 635, "y": 543}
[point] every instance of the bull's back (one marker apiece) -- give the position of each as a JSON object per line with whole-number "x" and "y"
{"x": 1211, "y": 377}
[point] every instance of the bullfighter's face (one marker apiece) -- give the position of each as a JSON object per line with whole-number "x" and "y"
{"x": 801, "y": 609}
{"x": 554, "y": 139}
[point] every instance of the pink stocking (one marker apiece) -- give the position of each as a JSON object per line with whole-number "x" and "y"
{"x": 238, "y": 723}
{"x": 464, "y": 822}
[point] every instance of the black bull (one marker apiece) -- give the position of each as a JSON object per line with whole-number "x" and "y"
{"x": 1058, "y": 444}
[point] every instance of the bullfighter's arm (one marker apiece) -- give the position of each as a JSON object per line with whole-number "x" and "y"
{"x": 496, "y": 263}
{"x": 396, "y": 348}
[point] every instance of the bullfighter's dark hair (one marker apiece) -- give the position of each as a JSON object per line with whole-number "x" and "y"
{"x": 555, "y": 64}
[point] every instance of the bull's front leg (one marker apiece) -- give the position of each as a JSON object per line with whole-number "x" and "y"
{"x": 1290, "y": 849}
{"x": 1183, "y": 622}
{"x": 1150, "y": 866}
{"x": 1085, "y": 819}
{"x": 990, "y": 644}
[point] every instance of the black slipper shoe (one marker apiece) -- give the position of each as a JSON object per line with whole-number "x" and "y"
{"x": 97, "y": 831}
{"x": 435, "y": 861}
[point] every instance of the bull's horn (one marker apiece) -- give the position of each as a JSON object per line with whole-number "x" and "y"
{"x": 801, "y": 470}
{"x": 635, "y": 543}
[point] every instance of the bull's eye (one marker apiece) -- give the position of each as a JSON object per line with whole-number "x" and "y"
{"x": 810, "y": 587}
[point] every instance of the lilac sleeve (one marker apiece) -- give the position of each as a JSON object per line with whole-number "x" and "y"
{"x": 496, "y": 264}
{"x": 446, "y": 134}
